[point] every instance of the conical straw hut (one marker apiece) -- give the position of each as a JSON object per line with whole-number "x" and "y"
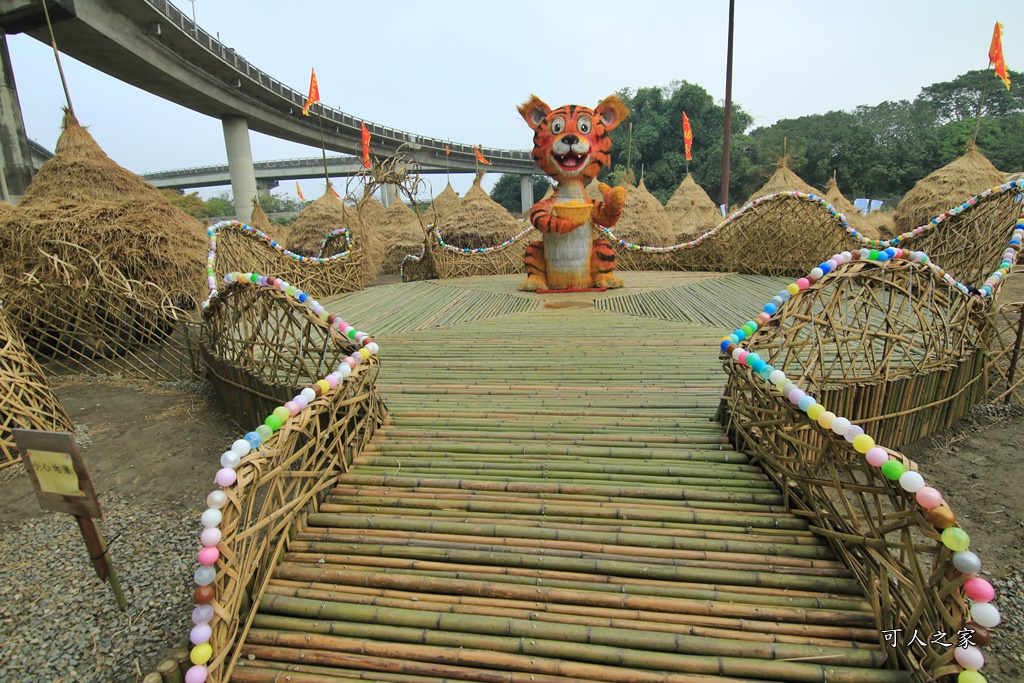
{"x": 943, "y": 189}
{"x": 690, "y": 211}
{"x": 853, "y": 216}
{"x": 479, "y": 221}
{"x": 882, "y": 224}
{"x": 261, "y": 221}
{"x": 443, "y": 204}
{"x": 397, "y": 216}
{"x": 371, "y": 212}
{"x": 82, "y": 207}
{"x": 325, "y": 215}
{"x": 784, "y": 180}
{"x": 404, "y": 240}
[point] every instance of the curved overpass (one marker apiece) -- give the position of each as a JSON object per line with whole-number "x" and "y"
{"x": 152, "y": 45}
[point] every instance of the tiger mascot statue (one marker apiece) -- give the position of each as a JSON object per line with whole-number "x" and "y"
{"x": 572, "y": 144}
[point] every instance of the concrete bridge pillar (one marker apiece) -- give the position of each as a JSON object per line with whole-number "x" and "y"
{"x": 243, "y": 175}
{"x": 16, "y": 167}
{"x": 264, "y": 186}
{"x": 390, "y": 193}
{"x": 526, "y": 188}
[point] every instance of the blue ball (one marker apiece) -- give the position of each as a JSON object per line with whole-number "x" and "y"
{"x": 770, "y": 308}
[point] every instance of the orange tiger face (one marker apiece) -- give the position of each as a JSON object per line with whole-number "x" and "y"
{"x": 573, "y": 141}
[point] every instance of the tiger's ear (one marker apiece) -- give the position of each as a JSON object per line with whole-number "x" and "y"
{"x": 534, "y": 111}
{"x": 611, "y": 111}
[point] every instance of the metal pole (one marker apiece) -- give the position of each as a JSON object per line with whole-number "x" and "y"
{"x": 728, "y": 111}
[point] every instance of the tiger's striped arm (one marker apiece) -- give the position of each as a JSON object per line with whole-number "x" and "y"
{"x": 542, "y": 218}
{"x": 608, "y": 212}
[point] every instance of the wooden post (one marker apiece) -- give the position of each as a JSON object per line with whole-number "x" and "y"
{"x": 728, "y": 111}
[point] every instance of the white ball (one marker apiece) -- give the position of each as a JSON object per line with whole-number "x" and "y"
{"x": 230, "y": 459}
{"x": 211, "y": 518}
{"x": 308, "y": 394}
{"x": 840, "y": 425}
{"x": 217, "y": 499}
{"x": 242, "y": 447}
{"x": 776, "y": 376}
{"x": 372, "y": 348}
{"x": 344, "y": 370}
{"x": 911, "y": 481}
{"x": 985, "y": 614}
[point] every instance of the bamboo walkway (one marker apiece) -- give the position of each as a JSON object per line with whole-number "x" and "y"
{"x": 550, "y": 500}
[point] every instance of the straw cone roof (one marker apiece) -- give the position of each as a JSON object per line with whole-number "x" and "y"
{"x": 261, "y": 221}
{"x": 479, "y": 221}
{"x": 326, "y": 214}
{"x": 407, "y": 239}
{"x": 950, "y": 185}
{"x": 784, "y": 180}
{"x": 444, "y": 204}
{"x": 690, "y": 211}
{"x": 82, "y": 197}
{"x": 643, "y": 219}
{"x": 882, "y": 224}
{"x": 371, "y": 212}
{"x": 853, "y": 216}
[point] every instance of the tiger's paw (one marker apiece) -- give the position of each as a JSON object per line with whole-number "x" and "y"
{"x": 611, "y": 282}
{"x": 532, "y": 284}
{"x": 614, "y": 198}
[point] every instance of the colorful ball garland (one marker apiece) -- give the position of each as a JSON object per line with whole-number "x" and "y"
{"x": 210, "y": 538}
{"x": 211, "y": 257}
{"x": 982, "y": 612}
{"x": 478, "y": 250}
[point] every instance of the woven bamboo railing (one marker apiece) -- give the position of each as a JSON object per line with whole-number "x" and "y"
{"x": 897, "y": 351}
{"x": 263, "y": 342}
{"x": 91, "y": 320}
{"x": 235, "y": 246}
{"x": 26, "y": 400}
{"x": 501, "y": 259}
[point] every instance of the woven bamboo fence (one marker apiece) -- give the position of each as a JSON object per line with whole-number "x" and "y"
{"x": 26, "y": 400}
{"x": 1005, "y": 358}
{"x": 263, "y": 347}
{"x": 88, "y": 319}
{"x": 899, "y": 353}
{"x": 242, "y": 248}
{"x": 970, "y": 238}
{"x": 451, "y": 262}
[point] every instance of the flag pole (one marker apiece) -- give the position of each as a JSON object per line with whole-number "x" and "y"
{"x": 323, "y": 148}
{"x": 728, "y": 110}
{"x": 56, "y": 55}
{"x": 629, "y": 148}
{"x": 981, "y": 102}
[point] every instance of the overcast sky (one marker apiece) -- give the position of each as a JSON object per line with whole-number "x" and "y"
{"x": 457, "y": 69}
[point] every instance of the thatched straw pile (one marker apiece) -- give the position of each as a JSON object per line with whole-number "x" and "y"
{"x": 397, "y": 216}
{"x": 853, "y": 216}
{"x": 690, "y": 211}
{"x": 479, "y": 221}
{"x": 784, "y": 180}
{"x": 261, "y": 221}
{"x": 326, "y": 214}
{"x": 950, "y": 185}
{"x": 405, "y": 239}
{"x": 882, "y": 223}
{"x": 371, "y": 212}
{"x": 82, "y": 206}
{"x": 443, "y": 204}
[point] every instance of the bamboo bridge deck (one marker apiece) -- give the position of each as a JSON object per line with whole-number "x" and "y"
{"x": 550, "y": 500}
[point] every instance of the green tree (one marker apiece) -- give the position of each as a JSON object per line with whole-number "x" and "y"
{"x": 508, "y": 191}
{"x": 191, "y": 203}
{"x": 957, "y": 100}
{"x": 220, "y": 205}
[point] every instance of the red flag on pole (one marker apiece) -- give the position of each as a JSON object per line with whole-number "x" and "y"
{"x": 447, "y": 150}
{"x": 366, "y": 147}
{"x": 299, "y": 190}
{"x": 480, "y": 156}
{"x": 687, "y": 135}
{"x": 314, "y": 93}
{"x": 995, "y": 54}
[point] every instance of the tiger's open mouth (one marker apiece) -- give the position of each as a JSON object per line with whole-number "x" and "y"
{"x": 570, "y": 161}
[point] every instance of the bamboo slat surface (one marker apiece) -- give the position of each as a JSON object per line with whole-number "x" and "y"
{"x": 550, "y": 500}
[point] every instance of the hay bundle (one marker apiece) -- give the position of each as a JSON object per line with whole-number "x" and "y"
{"x": 783, "y": 180}
{"x": 853, "y": 216}
{"x": 81, "y": 206}
{"x": 326, "y": 214}
{"x": 690, "y": 211}
{"x": 950, "y": 185}
{"x": 479, "y": 221}
{"x": 261, "y": 221}
{"x": 406, "y": 239}
{"x": 371, "y": 213}
{"x": 396, "y": 218}
{"x": 443, "y": 204}
{"x": 882, "y": 224}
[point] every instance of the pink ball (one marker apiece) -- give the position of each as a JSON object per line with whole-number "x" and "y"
{"x": 741, "y": 356}
{"x": 207, "y": 556}
{"x": 210, "y": 536}
{"x": 200, "y": 634}
{"x": 332, "y": 381}
{"x": 928, "y": 498}
{"x": 226, "y": 477}
{"x": 196, "y": 674}
{"x": 293, "y": 408}
{"x": 803, "y": 283}
{"x": 764, "y": 318}
{"x": 796, "y": 395}
{"x": 969, "y": 657}
{"x": 876, "y": 456}
{"x": 979, "y": 590}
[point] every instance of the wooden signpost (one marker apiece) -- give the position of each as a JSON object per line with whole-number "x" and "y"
{"x": 62, "y": 484}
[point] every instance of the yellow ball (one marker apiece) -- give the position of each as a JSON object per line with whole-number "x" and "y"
{"x": 969, "y": 676}
{"x": 793, "y": 289}
{"x": 826, "y": 419}
{"x": 863, "y": 443}
{"x": 815, "y": 411}
{"x": 201, "y": 654}
{"x": 324, "y": 385}
{"x": 364, "y": 352}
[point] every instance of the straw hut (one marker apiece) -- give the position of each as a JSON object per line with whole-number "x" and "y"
{"x": 406, "y": 239}
{"x": 784, "y": 180}
{"x": 443, "y": 204}
{"x": 882, "y": 224}
{"x": 397, "y": 216}
{"x": 853, "y": 216}
{"x": 372, "y": 213}
{"x": 690, "y": 211}
{"x": 261, "y": 221}
{"x": 326, "y": 214}
{"x": 479, "y": 221}
{"x": 84, "y": 209}
{"x": 950, "y": 185}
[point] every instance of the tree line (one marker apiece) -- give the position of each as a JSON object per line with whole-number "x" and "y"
{"x": 875, "y": 151}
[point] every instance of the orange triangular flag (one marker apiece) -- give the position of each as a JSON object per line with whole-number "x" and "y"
{"x": 687, "y": 135}
{"x": 314, "y": 93}
{"x": 447, "y": 150}
{"x": 995, "y": 54}
{"x": 299, "y": 190}
{"x": 366, "y": 147}
{"x": 480, "y": 156}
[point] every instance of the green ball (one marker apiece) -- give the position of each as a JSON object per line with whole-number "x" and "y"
{"x": 893, "y": 469}
{"x": 264, "y": 431}
{"x": 273, "y": 421}
{"x": 969, "y": 676}
{"x": 873, "y": 255}
{"x": 956, "y": 539}
{"x": 282, "y": 413}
